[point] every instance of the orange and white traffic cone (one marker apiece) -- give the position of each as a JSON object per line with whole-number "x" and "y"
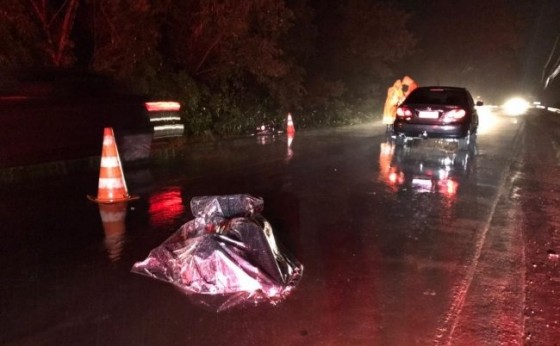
{"x": 113, "y": 216}
{"x": 112, "y": 186}
{"x": 290, "y": 129}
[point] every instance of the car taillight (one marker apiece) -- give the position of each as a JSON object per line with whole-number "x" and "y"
{"x": 455, "y": 114}
{"x": 162, "y": 106}
{"x": 448, "y": 187}
{"x": 404, "y": 112}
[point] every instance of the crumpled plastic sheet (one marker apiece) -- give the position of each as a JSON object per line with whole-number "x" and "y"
{"x": 226, "y": 256}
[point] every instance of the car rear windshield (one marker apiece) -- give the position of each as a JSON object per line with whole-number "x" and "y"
{"x": 437, "y": 96}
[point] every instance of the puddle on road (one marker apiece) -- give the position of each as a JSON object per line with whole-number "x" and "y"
{"x": 429, "y": 166}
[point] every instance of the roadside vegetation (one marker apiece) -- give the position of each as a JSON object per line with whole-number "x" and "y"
{"x": 233, "y": 64}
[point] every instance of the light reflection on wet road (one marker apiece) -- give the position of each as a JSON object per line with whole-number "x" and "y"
{"x": 401, "y": 246}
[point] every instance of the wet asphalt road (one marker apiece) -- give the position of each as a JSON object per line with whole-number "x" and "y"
{"x": 417, "y": 246}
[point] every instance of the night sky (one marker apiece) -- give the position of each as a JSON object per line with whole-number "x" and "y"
{"x": 542, "y": 25}
{"x": 541, "y": 20}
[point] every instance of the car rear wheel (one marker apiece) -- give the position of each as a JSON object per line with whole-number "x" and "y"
{"x": 401, "y": 140}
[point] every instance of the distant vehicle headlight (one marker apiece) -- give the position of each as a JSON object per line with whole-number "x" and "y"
{"x": 516, "y": 106}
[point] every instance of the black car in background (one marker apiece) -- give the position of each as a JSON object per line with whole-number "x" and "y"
{"x": 437, "y": 112}
{"x": 56, "y": 115}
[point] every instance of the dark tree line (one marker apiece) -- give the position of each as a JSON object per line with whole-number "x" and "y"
{"x": 236, "y": 63}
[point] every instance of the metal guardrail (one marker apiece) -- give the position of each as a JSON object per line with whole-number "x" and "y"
{"x": 162, "y": 152}
{"x": 166, "y": 124}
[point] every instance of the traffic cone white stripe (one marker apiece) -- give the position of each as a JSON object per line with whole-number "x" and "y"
{"x": 110, "y": 162}
{"x": 110, "y": 183}
{"x": 107, "y": 140}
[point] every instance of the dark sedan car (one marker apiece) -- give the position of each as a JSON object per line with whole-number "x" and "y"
{"x": 437, "y": 112}
{"x": 59, "y": 115}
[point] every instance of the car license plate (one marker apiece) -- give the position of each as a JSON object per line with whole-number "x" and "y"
{"x": 428, "y": 114}
{"x": 422, "y": 184}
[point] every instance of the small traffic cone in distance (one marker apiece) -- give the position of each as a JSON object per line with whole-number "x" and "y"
{"x": 112, "y": 186}
{"x": 290, "y": 129}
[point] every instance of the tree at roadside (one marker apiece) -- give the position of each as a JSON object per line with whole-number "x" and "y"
{"x": 37, "y": 32}
{"x": 360, "y": 46}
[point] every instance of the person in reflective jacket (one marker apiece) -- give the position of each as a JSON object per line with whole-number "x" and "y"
{"x": 394, "y": 98}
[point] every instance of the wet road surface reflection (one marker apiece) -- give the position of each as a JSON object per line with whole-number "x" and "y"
{"x": 427, "y": 166}
{"x": 400, "y": 246}
{"x": 113, "y": 218}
